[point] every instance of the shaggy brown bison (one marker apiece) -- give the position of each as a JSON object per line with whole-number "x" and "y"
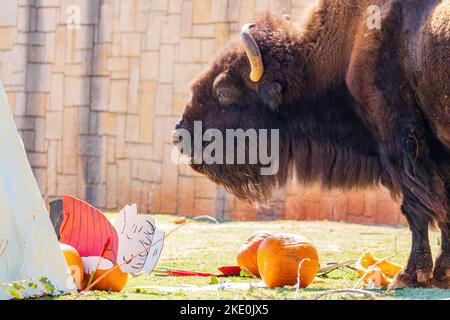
{"x": 355, "y": 106}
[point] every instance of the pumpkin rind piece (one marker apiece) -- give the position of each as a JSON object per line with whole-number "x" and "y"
{"x": 376, "y": 271}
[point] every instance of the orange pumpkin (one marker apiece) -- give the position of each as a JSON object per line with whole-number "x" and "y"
{"x": 280, "y": 256}
{"x": 74, "y": 263}
{"x": 114, "y": 281}
{"x": 247, "y": 253}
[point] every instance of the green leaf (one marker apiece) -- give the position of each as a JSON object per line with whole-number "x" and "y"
{"x": 48, "y": 286}
{"x": 15, "y": 294}
{"x": 18, "y": 286}
{"x": 213, "y": 280}
{"x": 32, "y": 285}
{"x": 245, "y": 273}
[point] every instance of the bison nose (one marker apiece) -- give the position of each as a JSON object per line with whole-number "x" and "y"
{"x": 177, "y": 134}
{"x": 176, "y": 137}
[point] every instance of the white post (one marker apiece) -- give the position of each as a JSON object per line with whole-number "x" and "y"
{"x": 29, "y": 247}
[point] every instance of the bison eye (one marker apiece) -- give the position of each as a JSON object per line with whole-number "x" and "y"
{"x": 225, "y": 96}
{"x": 226, "y": 89}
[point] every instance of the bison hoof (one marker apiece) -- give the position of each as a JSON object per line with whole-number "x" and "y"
{"x": 442, "y": 284}
{"x": 441, "y": 276}
{"x": 408, "y": 279}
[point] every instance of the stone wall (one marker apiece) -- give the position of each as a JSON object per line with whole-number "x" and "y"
{"x": 96, "y": 98}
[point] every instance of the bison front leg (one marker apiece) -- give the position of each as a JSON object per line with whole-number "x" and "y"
{"x": 424, "y": 201}
{"x": 418, "y": 271}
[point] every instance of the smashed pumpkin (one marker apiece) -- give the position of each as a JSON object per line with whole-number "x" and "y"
{"x": 283, "y": 259}
{"x": 247, "y": 253}
{"x": 376, "y": 271}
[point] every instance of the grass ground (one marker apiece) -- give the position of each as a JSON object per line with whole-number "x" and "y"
{"x": 205, "y": 246}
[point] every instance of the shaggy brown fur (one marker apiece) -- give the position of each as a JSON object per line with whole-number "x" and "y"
{"x": 355, "y": 108}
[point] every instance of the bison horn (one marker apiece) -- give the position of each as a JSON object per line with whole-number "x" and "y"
{"x": 253, "y": 54}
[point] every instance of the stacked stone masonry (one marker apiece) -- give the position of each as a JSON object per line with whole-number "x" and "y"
{"x": 95, "y": 103}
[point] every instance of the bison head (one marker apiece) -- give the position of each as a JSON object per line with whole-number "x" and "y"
{"x": 241, "y": 91}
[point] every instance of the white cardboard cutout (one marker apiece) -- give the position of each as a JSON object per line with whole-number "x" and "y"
{"x": 155, "y": 251}
{"x": 30, "y": 248}
{"x": 140, "y": 243}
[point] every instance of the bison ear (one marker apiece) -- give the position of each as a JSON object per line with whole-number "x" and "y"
{"x": 270, "y": 94}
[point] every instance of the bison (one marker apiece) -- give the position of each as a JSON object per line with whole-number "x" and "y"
{"x": 355, "y": 106}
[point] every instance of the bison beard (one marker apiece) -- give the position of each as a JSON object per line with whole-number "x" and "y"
{"x": 329, "y": 145}
{"x": 355, "y": 108}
